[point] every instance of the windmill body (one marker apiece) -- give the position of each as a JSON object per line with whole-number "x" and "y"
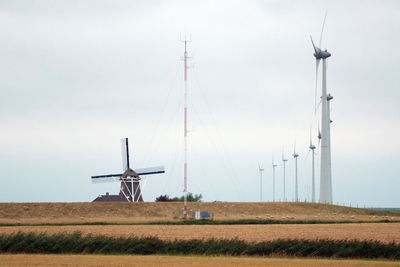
{"x": 325, "y": 169}
{"x": 130, "y": 179}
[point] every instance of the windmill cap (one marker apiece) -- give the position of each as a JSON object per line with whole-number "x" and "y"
{"x": 320, "y": 54}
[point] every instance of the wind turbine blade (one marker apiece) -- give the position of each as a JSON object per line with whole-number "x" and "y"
{"x": 316, "y": 85}
{"x": 319, "y": 137}
{"x": 322, "y": 30}
{"x": 315, "y": 48}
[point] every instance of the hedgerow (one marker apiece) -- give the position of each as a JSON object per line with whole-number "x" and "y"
{"x": 77, "y": 243}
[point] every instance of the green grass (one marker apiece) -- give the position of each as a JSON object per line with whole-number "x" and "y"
{"x": 228, "y": 222}
{"x": 77, "y": 243}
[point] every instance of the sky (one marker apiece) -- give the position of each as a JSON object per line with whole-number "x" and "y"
{"x": 77, "y": 76}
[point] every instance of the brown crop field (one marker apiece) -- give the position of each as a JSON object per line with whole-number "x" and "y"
{"x": 121, "y": 261}
{"x": 384, "y": 232}
{"x": 15, "y": 213}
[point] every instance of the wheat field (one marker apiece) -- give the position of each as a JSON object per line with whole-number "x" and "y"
{"x": 383, "y": 232}
{"x": 26, "y": 213}
{"x": 22, "y": 260}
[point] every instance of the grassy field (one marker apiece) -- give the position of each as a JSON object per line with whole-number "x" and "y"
{"x": 31, "y": 213}
{"x": 383, "y": 232}
{"x": 121, "y": 261}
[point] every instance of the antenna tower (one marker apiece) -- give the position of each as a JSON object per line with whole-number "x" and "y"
{"x": 185, "y": 130}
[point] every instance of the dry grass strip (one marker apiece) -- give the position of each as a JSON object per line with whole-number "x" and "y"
{"x": 176, "y": 261}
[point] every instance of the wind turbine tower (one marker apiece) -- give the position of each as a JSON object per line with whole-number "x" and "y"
{"x": 295, "y": 156}
{"x": 260, "y": 169}
{"x": 312, "y": 148}
{"x": 325, "y": 169}
{"x": 284, "y": 176}
{"x": 273, "y": 179}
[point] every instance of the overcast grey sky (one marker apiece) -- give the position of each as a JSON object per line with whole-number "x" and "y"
{"x": 76, "y": 76}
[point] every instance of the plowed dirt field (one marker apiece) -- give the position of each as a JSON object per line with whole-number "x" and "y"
{"x": 384, "y": 232}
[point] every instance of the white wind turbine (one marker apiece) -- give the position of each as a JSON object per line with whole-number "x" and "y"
{"x": 295, "y": 156}
{"x": 312, "y": 148}
{"x": 260, "y": 169}
{"x": 284, "y": 176}
{"x": 273, "y": 179}
{"x": 325, "y": 169}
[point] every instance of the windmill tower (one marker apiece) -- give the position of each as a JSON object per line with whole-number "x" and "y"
{"x": 325, "y": 169}
{"x": 295, "y": 156}
{"x": 312, "y": 148}
{"x": 273, "y": 179}
{"x": 284, "y": 160}
{"x": 130, "y": 179}
{"x": 260, "y": 170}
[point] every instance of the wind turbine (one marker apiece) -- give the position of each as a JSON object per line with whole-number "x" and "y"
{"x": 295, "y": 156}
{"x": 273, "y": 179}
{"x": 312, "y": 148}
{"x": 325, "y": 169}
{"x": 284, "y": 176}
{"x": 260, "y": 169}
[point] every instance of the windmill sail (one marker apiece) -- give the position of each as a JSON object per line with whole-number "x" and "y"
{"x": 125, "y": 154}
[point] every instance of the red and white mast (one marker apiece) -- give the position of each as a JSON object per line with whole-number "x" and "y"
{"x": 185, "y": 132}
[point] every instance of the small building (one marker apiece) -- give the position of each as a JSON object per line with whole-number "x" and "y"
{"x": 111, "y": 198}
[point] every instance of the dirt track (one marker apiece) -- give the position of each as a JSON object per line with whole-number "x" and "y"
{"x": 122, "y": 261}
{"x": 384, "y": 232}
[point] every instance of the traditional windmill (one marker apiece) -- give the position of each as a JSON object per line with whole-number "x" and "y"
{"x": 130, "y": 179}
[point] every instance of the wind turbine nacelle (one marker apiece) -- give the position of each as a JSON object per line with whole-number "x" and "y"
{"x": 322, "y": 54}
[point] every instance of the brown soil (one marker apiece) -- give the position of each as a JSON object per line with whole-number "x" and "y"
{"x": 122, "y": 261}
{"x": 166, "y": 211}
{"x": 384, "y": 232}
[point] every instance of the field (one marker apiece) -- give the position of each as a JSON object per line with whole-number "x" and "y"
{"x": 383, "y": 232}
{"x": 124, "y": 220}
{"x": 121, "y": 261}
{"x": 31, "y": 213}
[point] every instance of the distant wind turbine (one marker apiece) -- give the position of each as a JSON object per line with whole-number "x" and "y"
{"x": 295, "y": 156}
{"x": 312, "y": 148}
{"x": 273, "y": 179}
{"x": 260, "y": 169}
{"x": 284, "y": 175}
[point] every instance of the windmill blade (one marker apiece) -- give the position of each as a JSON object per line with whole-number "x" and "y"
{"x": 316, "y": 49}
{"x": 319, "y": 137}
{"x": 294, "y": 147}
{"x": 110, "y": 178}
{"x": 308, "y": 153}
{"x": 125, "y": 154}
{"x": 322, "y": 30}
{"x": 151, "y": 170}
{"x": 316, "y": 84}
